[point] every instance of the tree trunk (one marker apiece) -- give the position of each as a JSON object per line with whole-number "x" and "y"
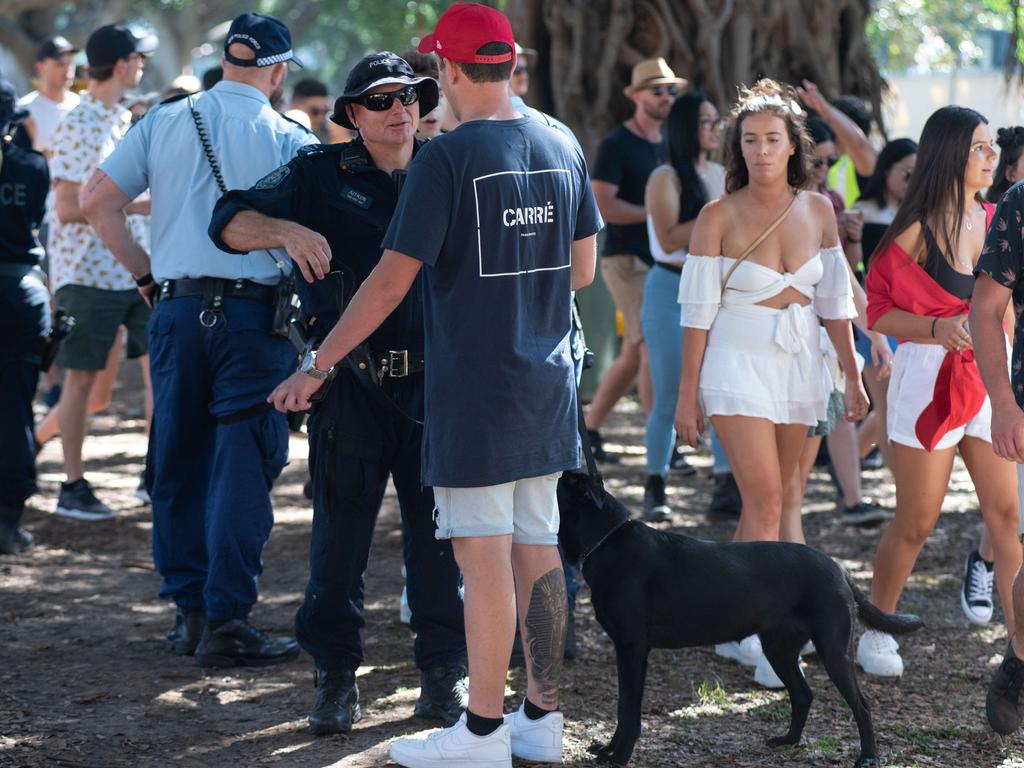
{"x": 589, "y": 46}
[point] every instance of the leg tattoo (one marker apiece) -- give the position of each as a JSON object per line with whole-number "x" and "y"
{"x": 545, "y": 625}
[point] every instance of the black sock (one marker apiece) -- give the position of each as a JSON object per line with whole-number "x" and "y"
{"x": 482, "y": 726}
{"x": 990, "y": 564}
{"x": 533, "y": 712}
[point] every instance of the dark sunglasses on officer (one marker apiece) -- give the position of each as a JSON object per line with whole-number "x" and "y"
{"x": 381, "y": 102}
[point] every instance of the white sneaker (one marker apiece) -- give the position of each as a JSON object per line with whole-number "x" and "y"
{"x": 747, "y": 651}
{"x": 539, "y": 741}
{"x": 877, "y": 654}
{"x": 764, "y": 675}
{"x": 455, "y": 746}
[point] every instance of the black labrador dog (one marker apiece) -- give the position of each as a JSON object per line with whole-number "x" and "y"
{"x": 654, "y": 589}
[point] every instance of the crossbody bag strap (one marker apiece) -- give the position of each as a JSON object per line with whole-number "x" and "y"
{"x": 761, "y": 238}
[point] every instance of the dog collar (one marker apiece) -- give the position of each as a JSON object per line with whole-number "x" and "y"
{"x": 593, "y": 548}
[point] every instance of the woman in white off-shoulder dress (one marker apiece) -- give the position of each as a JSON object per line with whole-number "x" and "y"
{"x": 751, "y": 356}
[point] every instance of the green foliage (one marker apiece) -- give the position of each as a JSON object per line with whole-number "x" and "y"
{"x": 933, "y": 34}
{"x": 711, "y": 693}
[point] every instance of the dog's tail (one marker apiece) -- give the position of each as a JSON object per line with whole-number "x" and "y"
{"x": 893, "y": 623}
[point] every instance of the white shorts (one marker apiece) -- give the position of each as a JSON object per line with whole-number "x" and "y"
{"x": 911, "y": 388}
{"x": 748, "y": 372}
{"x": 527, "y": 509}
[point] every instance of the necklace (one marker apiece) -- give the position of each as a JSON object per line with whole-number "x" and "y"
{"x": 967, "y": 219}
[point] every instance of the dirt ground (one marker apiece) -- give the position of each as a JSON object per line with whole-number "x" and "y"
{"x": 85, "y": 681}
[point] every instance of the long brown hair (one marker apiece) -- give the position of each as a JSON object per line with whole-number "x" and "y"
{"x": 768, "y": 97}
{"x": 937, "y": 185}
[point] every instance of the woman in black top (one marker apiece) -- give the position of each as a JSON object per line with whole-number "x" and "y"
{"x": 24, "y": 319}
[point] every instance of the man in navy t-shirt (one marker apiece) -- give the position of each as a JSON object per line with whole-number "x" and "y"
{"x": 501, "y": 214}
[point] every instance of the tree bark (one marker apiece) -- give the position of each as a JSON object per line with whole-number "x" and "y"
{"x": 587, "y": 48}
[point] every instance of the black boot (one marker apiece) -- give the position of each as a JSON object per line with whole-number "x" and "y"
{"x": 337, "y": 702}
{"x": 725, "y": 501}
{"x": 184, "y": 636}
{"x": 444, "y": 694}
{"x": 1002, "y": 704}
{"x": 236, "y": 643}
{"x": 13, "y": 540}
{"x": 656, "y": 509}
{"x": 597, "y": 448}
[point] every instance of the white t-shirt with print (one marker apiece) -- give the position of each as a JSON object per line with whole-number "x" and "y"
{"x": 82, "y": 141}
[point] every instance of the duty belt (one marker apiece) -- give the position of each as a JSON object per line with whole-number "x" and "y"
{"x": 217, "y": 289}
{"x": 397, "y": 363}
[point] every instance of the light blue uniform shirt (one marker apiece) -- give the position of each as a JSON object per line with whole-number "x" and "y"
{"x": 163, "y": 153}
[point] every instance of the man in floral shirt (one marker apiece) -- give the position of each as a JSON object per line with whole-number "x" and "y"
{"x": 89, "y": 283}
{"x": 999, "y": 274}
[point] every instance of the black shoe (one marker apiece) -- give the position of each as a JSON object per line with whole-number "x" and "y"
{"x": 571, "y": 651}
{"x": 873, "y": 460}
{"x": 77, "y": 501}
{"x": 725, "y": 500}
{"x": 237, "y": 643}
{"x": 597, "y": 448}
{"x": 184, "y": 636}
{"x": 337, "y": 702}
{"x": 444, "y": 694}
{"x": 1001, "y": 703}
{"x": 976, "y": 592}
{"x": 13, "y": 540}
{"x": 678, "y": 463}
{"x": 865, "y": 513}
{"x": 656, "y": 509}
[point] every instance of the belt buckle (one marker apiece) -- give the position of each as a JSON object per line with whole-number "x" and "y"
{"x": 398, "y": 363}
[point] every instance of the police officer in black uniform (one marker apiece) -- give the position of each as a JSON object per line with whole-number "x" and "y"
{"x": 24, "y": 319}
{"x": 329, "y": 208}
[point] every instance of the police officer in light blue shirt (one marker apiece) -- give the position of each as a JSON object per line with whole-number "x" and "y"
{"x": 215, "y": 448}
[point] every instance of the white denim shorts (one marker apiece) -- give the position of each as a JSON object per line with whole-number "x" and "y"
{"x": 527, "y": 509}
{"x": 911, "y": 389}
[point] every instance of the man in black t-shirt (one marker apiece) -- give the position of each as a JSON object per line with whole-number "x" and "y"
{"x": 999, "y": 279}
{"x": 24, "y": 319}
{"x": 625, "y": 159}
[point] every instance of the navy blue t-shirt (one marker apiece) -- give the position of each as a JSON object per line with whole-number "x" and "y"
{"x": 492, "y": 210}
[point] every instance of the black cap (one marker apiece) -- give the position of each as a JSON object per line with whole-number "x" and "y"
{"x": 9, "y": 112}
{"x": 54, "y": 48}
{"x": 108, "y": 45}
{"x": 268, "y": 38}
{"x": 384, "y": 68}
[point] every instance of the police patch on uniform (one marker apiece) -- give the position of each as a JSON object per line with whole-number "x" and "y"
{"x": 356, "y": 197}
{"x": 274, "y": 178}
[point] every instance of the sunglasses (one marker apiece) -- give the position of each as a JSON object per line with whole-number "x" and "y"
{"x": 711, "y": 125}
{"x": 380, "y": 102}
{"x": 818, "y": 162}
{"x": 658, "y": 90}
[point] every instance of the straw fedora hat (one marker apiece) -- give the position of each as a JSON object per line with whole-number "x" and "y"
{"x": 652, "y": 72}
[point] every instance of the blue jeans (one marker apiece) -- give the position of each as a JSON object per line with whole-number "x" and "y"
{"x": 356, "y": 441}
{"x": 24, "y": 323}
{"x": 663, "y": 334}
{"x": 214, "y": 452}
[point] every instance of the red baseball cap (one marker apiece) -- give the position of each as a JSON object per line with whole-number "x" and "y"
{"x": 464, "y": 29}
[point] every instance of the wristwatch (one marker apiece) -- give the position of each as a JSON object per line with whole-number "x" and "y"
{"x": 308, "y": 367}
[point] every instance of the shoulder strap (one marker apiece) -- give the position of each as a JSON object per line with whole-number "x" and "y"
{"x": 760, "y": 239}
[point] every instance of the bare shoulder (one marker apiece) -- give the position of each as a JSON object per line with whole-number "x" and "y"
{"x": 910, "y": 238}
{"x": 818, "y": 205}
{"x": 706, "y": 239}
{"x": 663, "y": 179}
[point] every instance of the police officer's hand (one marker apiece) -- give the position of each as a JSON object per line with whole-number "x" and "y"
{"x": 293, "y": 393}
{"x": 309, "y": 250}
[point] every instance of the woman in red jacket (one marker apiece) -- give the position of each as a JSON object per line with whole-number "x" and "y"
{"x": 919, "y": 287}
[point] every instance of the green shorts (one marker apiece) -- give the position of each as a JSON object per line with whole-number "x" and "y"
{"x": 98, "y": 314}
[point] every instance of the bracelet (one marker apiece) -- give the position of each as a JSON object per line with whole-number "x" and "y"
{"x": 934, "y": 321}
{"x": 146, "y": 279}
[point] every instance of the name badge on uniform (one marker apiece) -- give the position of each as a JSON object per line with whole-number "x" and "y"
{"x": 356, "y": 197}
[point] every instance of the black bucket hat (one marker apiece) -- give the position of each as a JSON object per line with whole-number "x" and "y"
{"x": 384, "y": 68}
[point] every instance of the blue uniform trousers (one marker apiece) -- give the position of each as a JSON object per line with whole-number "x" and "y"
{"x": 24, "y": 324}
{"x": 356, "y": 440}
{"x": 211, "y": 464}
